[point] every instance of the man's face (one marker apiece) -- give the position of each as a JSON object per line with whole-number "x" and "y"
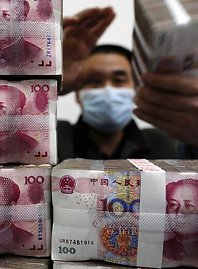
{"x": 4, "y": 28}
{"x": 103, "y": 69}
{"x": 183, "y": 200}
{"x": 183, "y": 203}
{"x": 5, "y": 10}
{"x": 4, "y": 206}
{"x": 6, "y": 106}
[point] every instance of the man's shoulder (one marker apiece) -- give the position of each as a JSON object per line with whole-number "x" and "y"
{"x": 65, "y": 134}
{"x": 161, "y": 145}
{"x": 32, "y": 49}
{"x": 64, "y": 125}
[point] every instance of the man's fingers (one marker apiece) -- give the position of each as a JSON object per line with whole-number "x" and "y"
{"x": 103, "y": 23}
{"x": 88, "y": 15}
{"x": 159, "y": 111}
{"x": 69, "y": 21}
{"x": 168, "y": 100}
{"x": 170, "y": 127}
{"x": 175, "y": 83}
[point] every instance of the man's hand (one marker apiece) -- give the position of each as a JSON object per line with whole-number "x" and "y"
{"x": 81, "y": 33}
{"x": 170, "y": 102}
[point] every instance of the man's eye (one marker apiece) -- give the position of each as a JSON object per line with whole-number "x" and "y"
{"x": 120, "y": 81}
{"x": 94, "y": 83}
{"x": 6, "y": 15}
{"x": 190, "y": 206}
{"x": 173, "y": 205}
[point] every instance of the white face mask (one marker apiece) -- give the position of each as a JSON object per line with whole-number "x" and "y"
{"x": 107, "y": 109}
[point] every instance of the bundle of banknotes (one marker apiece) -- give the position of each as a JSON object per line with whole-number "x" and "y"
{"x": 130, "y": 212}
{"x": 30, "y": 75}
{"x": 28, "y": 121}
{"x": 25, "y": 215}
{"x": 165, "y": 37}
{"x": 89, "y": 265}
{"x": 14, "y": 262}
{"x": 30, "y": 68}
{"x": 30, "y": 37}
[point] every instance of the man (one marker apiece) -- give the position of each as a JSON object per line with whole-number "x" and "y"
{"x": 14, "y": 49}
{"x": 103, "y": 83}
{"x": 182, "y": 205}
{"x": 11, "y": 236}
{"x": 12, "y": 139}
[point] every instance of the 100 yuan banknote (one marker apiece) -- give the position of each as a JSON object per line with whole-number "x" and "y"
{"x": 16, "y": 262}
{"x": 166, "y": 35}
{"x": 28, "y": 122}
{"x": 31, "y": 10}
{"x": 30, "y": 37}
{"x": 25, "y": 210}
{"x": 131, "y": 212}
{"x": 83, "y": 228}
{"x": 90, "y": 265}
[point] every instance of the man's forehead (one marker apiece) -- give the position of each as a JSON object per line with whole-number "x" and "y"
{"x": 5, "y": 1}
{"x": 102, "y": 56}
{"x": 100, "y": 61}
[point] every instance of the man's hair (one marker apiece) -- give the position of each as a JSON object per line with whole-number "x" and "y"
{"x": 26, "y": 8}
{"x": 17, "y": 97}
{"x": 11, "y": 190}
{"x": 170, "y": 188}
{"x": 113, "y": 49}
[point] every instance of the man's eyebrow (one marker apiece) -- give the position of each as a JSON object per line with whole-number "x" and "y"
{"x": 187, "y": 201}
{"x": 120, "y": 72}
{"x": 173, "y": 199}
{"x": 94, "y": 72}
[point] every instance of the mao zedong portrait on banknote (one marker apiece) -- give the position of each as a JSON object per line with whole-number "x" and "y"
{"x": 182, "y": 210}
{"x": 12, "y": 139}
{"x": 14, "y": 49}
{"x": 11, "y": 236}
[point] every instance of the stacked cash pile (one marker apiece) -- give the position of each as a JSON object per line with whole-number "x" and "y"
{"x": 165, "y": 36}
{"x": 14, "y": 262}
{"x": 30, "y": 72}
{"x": 25, "y": 215}
{"x": 130, "y": 212}
{"x": 89, "y": 265}
{"x": 30, "y": 42}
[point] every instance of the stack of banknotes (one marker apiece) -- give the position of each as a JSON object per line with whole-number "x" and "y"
{"x": 165, "y": 36}
{"x": 30, "y": 75}
{"x": 25, "y": 210}
{"x": 89, "y": 265}
{"x": 30, "y": 69}
{"x": 30, "y": 40}
{"x": 28, "y": 121}
{"x": 14, "y": 262}
{"x": 130, "y": 212}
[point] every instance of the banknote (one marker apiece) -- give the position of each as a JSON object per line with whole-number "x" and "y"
{"x": 16, "y": 262}
{"x": 31, "y": 10}
{"x": 30, "y": 37}
{"x": 90, "y": 265}
{"x": 28, "y": 121}
{"x": 25, "y": 210}
{"x": 130, "y": 212}
{"x": 165, "y": 33}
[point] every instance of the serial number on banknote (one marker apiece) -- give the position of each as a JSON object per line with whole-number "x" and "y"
{"x": 76, "y": 242}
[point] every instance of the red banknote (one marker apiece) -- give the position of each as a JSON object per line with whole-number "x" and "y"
{"x": 28, "y": 122}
